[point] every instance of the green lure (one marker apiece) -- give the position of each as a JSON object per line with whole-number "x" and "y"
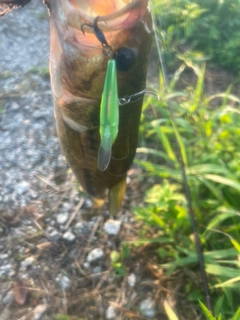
{"x": 109, "y": 116}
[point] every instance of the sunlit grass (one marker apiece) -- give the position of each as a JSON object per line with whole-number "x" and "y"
{"x": 208, "y": 137}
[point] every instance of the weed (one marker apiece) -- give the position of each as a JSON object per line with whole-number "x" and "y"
{"x": 209, "y": 142}
{"x": 210, "y": 27}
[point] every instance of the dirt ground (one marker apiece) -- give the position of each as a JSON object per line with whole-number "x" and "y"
{"x": 47, "y": 226}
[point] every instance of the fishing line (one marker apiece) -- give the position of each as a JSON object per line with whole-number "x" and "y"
{"x": 135, "y": 97}
{"x": 184, "y": 175}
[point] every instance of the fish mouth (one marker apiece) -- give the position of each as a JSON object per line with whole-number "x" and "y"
{"x": 77, "y": 61}
{"x": 113, "y": 14}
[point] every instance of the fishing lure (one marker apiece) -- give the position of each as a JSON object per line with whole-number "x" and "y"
{"x": 109, "y": 116}
{"x": 109, "y": 107}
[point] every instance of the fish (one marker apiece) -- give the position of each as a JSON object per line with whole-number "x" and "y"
{"x": 78, "y": 66}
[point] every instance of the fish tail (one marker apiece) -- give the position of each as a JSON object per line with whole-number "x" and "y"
{"x": 115, "y": 197}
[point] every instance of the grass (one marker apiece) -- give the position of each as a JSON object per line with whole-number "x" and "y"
{"x": 208, "y": 137}
{"x": 206, "y": 129}
{"x": 197, "y": 28}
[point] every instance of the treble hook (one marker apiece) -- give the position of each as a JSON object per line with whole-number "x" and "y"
{"x": 107, "y": 49}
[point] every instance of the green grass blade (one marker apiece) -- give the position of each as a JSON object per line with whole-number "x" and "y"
{"x": 235, "y": 243}
{"x": 159, "y": 170}
{"x": 237, "y": 315}
{"x": 207, "y": 313}
{"x": 228, "y": 283}
{"x": 169, "y": 311}
{"x": 224, "y": 181}
{"x": 221, "y": 271}
{"x": 153, "y": 152}
{"x": 165, "y": 141}
{"x": 199, "y": 90}
{"x": 181, "y": 144}
{"x": 219, "y": 218}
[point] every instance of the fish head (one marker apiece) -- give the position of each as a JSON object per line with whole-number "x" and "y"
{"x": 78, "y": 62}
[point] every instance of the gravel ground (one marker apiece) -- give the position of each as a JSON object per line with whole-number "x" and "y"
{"x": 28, "y": 143}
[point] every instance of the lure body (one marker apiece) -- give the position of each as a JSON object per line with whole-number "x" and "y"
{"x": 109, "y": 116}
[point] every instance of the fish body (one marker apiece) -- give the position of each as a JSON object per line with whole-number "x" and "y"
{"x": 78, "y": 69}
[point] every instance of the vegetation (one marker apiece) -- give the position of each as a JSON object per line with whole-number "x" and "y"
{"x": 206, "y": 129}
{"x": 210, "y": 27}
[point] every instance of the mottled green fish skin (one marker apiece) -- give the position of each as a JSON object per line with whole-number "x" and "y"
{"x": 78, "y": 70}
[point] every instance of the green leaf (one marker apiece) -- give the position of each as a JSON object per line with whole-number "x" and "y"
{"x": 228, "y": 283}
{"x": 221, "y": 270}
{"x": 114, "y": 256}
{"x": 216, "y": 221}
{"x": 181, "y": 145}
{"x": 207, "y": 313}
{"x": 224, "y": 181}
{"x": 236, "y": 244}
{"x": 237, "y": 315}
{"x": 165, "y": 141}
{"x": 199, "y": 90}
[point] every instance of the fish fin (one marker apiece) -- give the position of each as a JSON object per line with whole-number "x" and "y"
{"x": 97, "y": 202}
{"x": 115, "y": 196}
{"x": 105, "y": 150}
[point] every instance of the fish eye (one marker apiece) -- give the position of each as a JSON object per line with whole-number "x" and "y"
{"x": 125, "y": 59}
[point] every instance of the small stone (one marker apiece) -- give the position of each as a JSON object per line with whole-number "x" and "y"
{"x": 37, "y": 115}
{"x": 62, "y": 217}
{"x": 52, "y": 223}
{"x": 95, "y": 254}
{"x": 128, "y": 180}
{"x": 22, "y": 187}
{"x": 148, "y": 309}
{"x": 8, "y": 298}
{"x": 55, "y": 235}
{"x": 66, "y": 206}
{"x": 39, "y": 312}
{"x": 69, "y": 236}
{"x": 132, "y": 280}
{"x": 63, "y": 281}
{"x": 6, "y": 270}
{"x": 111, "y": 313}
{"x": 112, "y": 227}
{"x": 15, "y": 106}
{"x": 97, "y": 269}
{"x": 4, "y": 256}
{"x": 49, "y": 228}
{"x": 86, "y": 265}
{"x": 81, "y": 228}
{"x": 88, "y": 203}
{"x": 27, "y": 262}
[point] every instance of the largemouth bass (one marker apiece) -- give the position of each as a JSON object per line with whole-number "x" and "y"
{"x": 78, "y": 69}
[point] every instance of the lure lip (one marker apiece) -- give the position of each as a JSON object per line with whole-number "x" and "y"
{"x": 123, "y": 18}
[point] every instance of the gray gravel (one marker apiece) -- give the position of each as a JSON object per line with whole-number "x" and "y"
{"x": 24, "y": 38}
{"x": 29, "y": 148}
